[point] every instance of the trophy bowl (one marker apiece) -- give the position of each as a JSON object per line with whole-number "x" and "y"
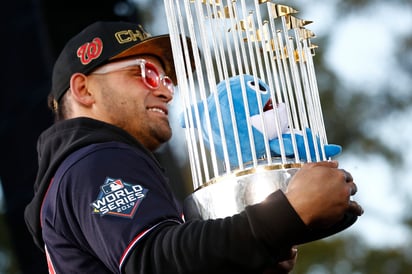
{"x": 230, "y": 194}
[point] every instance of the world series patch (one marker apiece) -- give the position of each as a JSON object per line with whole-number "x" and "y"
{"x": 118, "y": 198}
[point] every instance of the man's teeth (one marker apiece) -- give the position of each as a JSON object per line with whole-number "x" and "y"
{"x": 157, "y": 110}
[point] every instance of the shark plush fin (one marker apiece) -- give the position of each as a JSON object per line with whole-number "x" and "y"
{"x": 330, "y": 149}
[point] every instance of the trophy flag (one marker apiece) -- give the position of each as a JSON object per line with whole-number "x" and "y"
{"x": 251, "y": 108}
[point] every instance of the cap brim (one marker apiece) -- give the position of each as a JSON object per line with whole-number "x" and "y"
{"x": 159, "y": 46}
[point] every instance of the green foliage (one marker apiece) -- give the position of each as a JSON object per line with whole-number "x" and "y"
{"x": 349, "y": 255}
{"x": 7, "y": 260}
{"x": 349, "y": 116}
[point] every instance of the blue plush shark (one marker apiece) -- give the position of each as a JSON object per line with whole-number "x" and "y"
{"x": 252, "y": 89}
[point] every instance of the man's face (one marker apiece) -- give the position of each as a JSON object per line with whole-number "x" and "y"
{"x": 125, "y": 100}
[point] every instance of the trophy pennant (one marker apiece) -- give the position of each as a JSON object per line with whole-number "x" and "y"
{"x": 251, "y": 108}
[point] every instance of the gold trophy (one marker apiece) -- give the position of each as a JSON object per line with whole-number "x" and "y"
{"x": 251, "y": 108}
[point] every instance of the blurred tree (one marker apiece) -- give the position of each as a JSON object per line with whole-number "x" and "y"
{"x": 8, "y": 262}
{"x": 349, "y": 115}
{"x": 350, "y": 255}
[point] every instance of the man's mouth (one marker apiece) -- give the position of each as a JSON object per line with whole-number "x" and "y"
{"x": 155, "y": 109}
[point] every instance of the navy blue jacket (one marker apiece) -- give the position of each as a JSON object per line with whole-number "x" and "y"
{"x": 103, "y": 204}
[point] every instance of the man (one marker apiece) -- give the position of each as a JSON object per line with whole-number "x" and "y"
{"x": 102, "y": 202}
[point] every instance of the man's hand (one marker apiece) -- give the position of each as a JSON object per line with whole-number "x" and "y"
{"x": 321, "y": 194}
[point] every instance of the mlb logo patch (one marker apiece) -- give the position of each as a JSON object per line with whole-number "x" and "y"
{"x": 118, "y": 198}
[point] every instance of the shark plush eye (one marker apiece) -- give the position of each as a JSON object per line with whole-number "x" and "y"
{"x": 258, "y": 88}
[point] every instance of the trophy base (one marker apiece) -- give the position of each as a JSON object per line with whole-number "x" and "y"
{"x": 230, "y": 194}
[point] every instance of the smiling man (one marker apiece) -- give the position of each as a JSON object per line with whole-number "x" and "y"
{"x": 102, "y": 202}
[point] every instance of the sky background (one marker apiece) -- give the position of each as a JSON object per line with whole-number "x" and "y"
{"x": 370, "y": 39}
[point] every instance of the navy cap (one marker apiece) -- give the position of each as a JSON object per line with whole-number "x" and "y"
{"x": 102, "y": 42}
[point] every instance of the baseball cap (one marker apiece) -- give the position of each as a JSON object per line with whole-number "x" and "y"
{"x": 105, "y": 41}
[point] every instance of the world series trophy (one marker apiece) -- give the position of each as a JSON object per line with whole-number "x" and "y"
{"x": 251, "y": 108}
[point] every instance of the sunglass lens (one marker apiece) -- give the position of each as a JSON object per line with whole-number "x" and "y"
{"x": 151, "y": 76}
{"x": 167, "y": 82}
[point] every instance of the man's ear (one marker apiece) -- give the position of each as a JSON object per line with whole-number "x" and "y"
{"x": 79, "y": 89}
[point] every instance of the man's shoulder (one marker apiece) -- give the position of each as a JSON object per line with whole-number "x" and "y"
{"x": 104, "y": 154}
{"x": 105, "y": 149}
